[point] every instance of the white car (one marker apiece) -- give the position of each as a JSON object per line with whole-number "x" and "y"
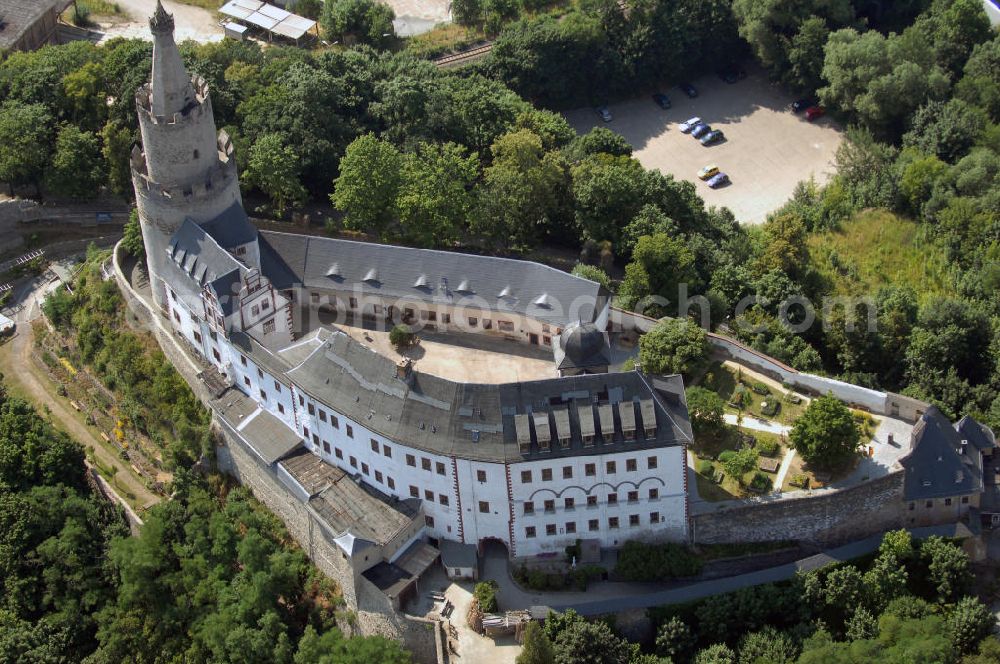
{"x": 685, "y": 127}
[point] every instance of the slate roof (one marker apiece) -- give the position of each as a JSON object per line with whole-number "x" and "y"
{"x": 937, "y": 466}
{"x": 18, "y": 16}
{"x": 270, "y": 438}
{"x": 232, "y": 228}
{"x": 195, "y": 260}
{"x": 477, "y": 421}
{"x": 539, "y": 291}
{"x": 977, "y": 434}
{"x": 454, "y": 554}
{"x": 581, "y": 346}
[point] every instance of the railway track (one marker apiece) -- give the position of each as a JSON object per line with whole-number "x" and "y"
{"x": 464, "y": 57}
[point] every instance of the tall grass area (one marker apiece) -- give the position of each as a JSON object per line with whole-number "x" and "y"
{"x": 878, "y": 248}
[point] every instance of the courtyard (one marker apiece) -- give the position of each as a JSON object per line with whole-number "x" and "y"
{"x": 767, "y": 151}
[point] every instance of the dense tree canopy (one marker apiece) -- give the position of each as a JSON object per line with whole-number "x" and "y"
{"x": 826, "y": 434}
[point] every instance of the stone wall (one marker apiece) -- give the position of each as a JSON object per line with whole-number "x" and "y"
{"x": 824, "y": 517}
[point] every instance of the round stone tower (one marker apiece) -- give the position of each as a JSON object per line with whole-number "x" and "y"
{"x": 184, "y": 169}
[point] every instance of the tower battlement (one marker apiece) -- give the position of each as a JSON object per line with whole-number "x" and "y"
{"x": 197, "y": 108}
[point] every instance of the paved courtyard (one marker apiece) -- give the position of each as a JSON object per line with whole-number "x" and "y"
{"x": 768, "y": 148}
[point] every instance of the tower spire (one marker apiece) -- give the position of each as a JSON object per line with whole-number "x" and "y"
{"x": 171, "y": 84}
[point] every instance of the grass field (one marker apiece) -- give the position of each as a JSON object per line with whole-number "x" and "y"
{"x": 723, "y": 380}
{"x": 877, "y": 248}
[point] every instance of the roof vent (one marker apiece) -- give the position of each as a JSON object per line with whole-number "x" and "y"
{"x": 464, "y": 287}
{"x": 505, "y": 292}
{"x": 421, "y": 282}
{"x": 372, "y": 275}
{"x": 434, "y": 429}
{"x": 543, "y": 300}
{"x": 925, "y": 483}
{"x": 421, "y": 426}
{"x": 475, "y": 435}
{"x": 334, "y": 270}
{"x": 959, "y": 476}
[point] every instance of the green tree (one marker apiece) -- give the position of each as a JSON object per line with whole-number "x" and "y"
{"x": 706, "y": 409}
{"x": 980, "y": 83}
{"x": 535, "y": 647}
{"x": 274, "y": 169}
{"x": 132, "y": 240}
{"x": 673, "y": 346}
{"x": 467, "y": 12}
{"x": 718, "y": 653}
{"x": 674, "y": 640}
{"x": 607, "y": 193}
{"x": 593, "y": 273}
{"x": 369, "y": 21}
{"x": 968, "y": 623}
{"x": 947, "y": 130}
{"x": 826, "y": 435}
{"x": 650, "y": 220}
{"x": 741, "y": 462}
{"x": 77, "y": 168}
{"x": 947, "y": 567}
{"x": 434, "y": 198}
{"x": 24, "y": 142}
{"x": 768, "y": 645}
{"x": 308, "y": 8}
{"x": 861, "y": 625}
{"x": 590, "y": 643}
{"x": 368, "y": 185}
{"x": 333, "y": 648}
{"x": 599, "y": 140}
{"x": 116, "y": 148}
{"x": 661, "y": 266}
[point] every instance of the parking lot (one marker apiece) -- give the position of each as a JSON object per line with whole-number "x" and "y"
{"x": 768, "y": 149}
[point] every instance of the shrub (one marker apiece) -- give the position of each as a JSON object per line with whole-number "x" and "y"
{"x": 485, "y": 593}
{"x": 800, "y": 480}
{"x": 639, "y": 561}
{"x": 727, "y": 455}
{"x": 768, "y": 447}
{"x": 759, "y": 388}
{"x": 401, "y": 336}
{"x": 593, "y": 273}
{"x": 706, "y": 468}
{"x": 760, "y": 483}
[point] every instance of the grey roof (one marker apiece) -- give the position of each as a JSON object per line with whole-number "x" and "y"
{"x": 347, "y": 506}
{"x": 232, "y": 228}
{"x": 501, "y": 284}
{"x": 937, "y": 466}
{"x": 581, "y": 345}
{"x": 18, "y": 16}
{"x": 273, "y": 266}
{"x": 977, "y": 434}
{"x": 274, "y": 363}
{"x": 195, "y": 260}
{"x": 270, "y": 438}
{"x": 455, "y": 554}
{"x": 478, "y": 421}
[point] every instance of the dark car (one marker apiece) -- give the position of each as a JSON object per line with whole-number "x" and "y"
{"x": 689, "y": 90}
{"x": 662, "y": 100}
{"x": 713, "y": 137}
{"x": 700, "y": 130}
{"x": 718, "y": 181}
{"x": 800, "y": 105}
{"x": 732, "y": 74}
{"x": 815, "y": 112}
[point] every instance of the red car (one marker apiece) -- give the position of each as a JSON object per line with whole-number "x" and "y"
{"x": 814, "y": 112}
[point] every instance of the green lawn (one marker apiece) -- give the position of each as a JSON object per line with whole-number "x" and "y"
{"x": 877, "y": 248}
{"x": 724, "y": 380}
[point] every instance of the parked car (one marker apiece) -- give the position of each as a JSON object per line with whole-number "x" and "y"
{"x": 708, "y": 172}
{"x": 662, "y": 100}
{"x": 713, "y": 137}
{"x": 814, "y": 112}
{"x": 604, "y": 113}
{"x": 700, "y": 130}
{"x": 718, "y": 180}
{"x": 732, "y": 74}
{"x": 689, "y": 90}
{"x": 800, "y": 105}
{"x": 689, "y": 124}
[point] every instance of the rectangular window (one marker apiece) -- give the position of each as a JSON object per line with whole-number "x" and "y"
{"x": 633, "y": 496}
{"x": 590, "y": 469}
{"x": 947, "y": 502}
{"x": 633, "y": 519}
{"x": 305, "y": 431}
{"x": 930, "y": 503}
{"x": 302, "y": 402}
{"x": 613, "y": 522}
{"x": 570, "y": 527}
{"x": 484, "y": 507}
{"x": 611, "y": 467}
{"x": 487, "y": 324}
{"x": 354, "y": 462}
{"x": 630, "y": 465}
{"x": 591, "y": 501}
{"x": 269, "y": 325}
{"x": 213, "y": 335}
{"x": 593, "y": 525}
{"x": 414, "y": 491}
{"x": 473, "y": 322}
{"x": 569, "y": 503}
{"x": 378, "y": 477}
{"x": 322, "y": 415}
{"x": 215, "y": 354}
{"x": 525, "y": 477}
{"x": 440, "y": 468}
{"x": 260, "y": 374}
{"x": 612, "y": 499}
{"x": 550, "y": 505}
{"x": 281, "y": 409}
{"x": 197, "y": 337}
{"x": 391, "y": 482}
{"x": 547, "y": 340}
{"x": 965, "y": 500}
{"x": 364, "y": 468}
{"x": 550, "y": 529}
{"x": 246, "y": 381}
{"x": 411, "y": 460}
{"x": 315, "y": 440}
{"x": 432, "y": 315}
{"x": 277, "y": 388}
{"x": 654, "y": 517}
{"x": 529, "y": 507}
{"x": 312, "y": 409}
{"x": 567, "y": 472}
{"x": 651, "y": 462}
{"x": 350, "y": 431}
{"x": 353, "y": 302}
{"x": 326, "y": 447}
{"x": 429, "y": 521}
{"x": 334, "y": 422}
{"x": 529, "y": 532}
{"x": 338, "y": 453}
{"x": 446, "y": 319}
{"x": 546, "y": 474}
{"x": 425, "y": 463}
{"x": 654, "y": 493}
{"x": 177, "y": 317}
{"x": 255, "y": 310}
{"x": 387, "y": 451}
{"x": 480, "y": 475}
{"x": 505, "y": 325}
{"x": 374, "y": 444}
{"x": 443, "y": 499}
{"x": 429, "y": 495}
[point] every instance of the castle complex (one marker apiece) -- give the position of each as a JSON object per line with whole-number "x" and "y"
{"x": 398, "y": 458}
{"x": 391, "y": 455}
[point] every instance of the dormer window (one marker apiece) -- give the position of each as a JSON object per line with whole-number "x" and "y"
{"x": 195, "y": 154}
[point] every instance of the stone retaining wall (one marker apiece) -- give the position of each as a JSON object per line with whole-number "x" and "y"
{"x": 824, "y": 517}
